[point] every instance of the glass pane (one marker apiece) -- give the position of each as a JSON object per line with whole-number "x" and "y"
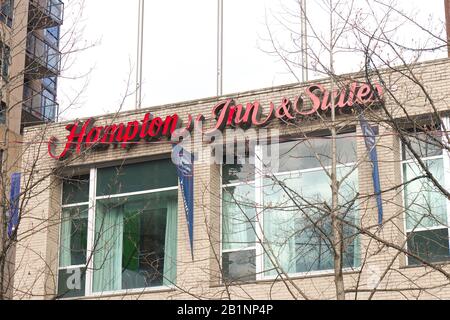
{"x": 239, "y": 266}
{"x": 425, "y": 205}
{"x": 71, "y": 282}
{"x": 299, "y": 232}
{"x": 76, "y": 189}
{"x": 136, "y": 177}
{"x": 238, "y": 215}
{"x": 73, "y": 241}
{"x": 424, "y": 145}
{"x": 431, "y": 246}
{"x": 234, "y": 173}
{"x": 135, "y": 241}
{"x": 310, "y": 153}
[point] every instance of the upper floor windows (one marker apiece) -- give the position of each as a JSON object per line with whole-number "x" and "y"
{"x": 119, "y": 229}
{"x": 3, "y": 113}
{"x": 5, "y": 56}
{"x": 426, "y": 207}
{"x": 274, "y": 214}
{"x": 6, "y": 12}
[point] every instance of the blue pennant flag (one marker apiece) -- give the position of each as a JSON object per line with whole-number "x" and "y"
{"x": 184, "y": 162}
{"x": 13, "y": 213}
{"x": 370, "y": 140}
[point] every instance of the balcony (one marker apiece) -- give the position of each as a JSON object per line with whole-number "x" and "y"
{"x": 43, "y": 60}
{"x": 38, "y": 107}
{"x": 45, "y": 14}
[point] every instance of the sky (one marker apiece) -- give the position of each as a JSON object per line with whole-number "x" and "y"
{"x": 179, "y": 50}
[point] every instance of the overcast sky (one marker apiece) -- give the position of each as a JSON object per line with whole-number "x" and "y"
{"x": 180, "y": 51}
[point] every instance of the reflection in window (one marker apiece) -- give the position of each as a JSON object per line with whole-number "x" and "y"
{"x": 296, "y": 219}
{"x": 134, "y": 229}
{"x": 135, "y": 242}
{"x": 425, "y": 206}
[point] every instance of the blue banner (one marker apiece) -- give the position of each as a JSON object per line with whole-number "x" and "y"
{"x": 370, "y": 140}
{"x": 184, "y": 162}
{"x": 13, "y": 213}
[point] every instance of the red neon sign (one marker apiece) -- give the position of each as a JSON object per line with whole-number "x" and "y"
{"x": 226, "y": 113}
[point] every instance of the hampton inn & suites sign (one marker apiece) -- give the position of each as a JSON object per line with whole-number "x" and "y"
{"x": 227, "y": 113}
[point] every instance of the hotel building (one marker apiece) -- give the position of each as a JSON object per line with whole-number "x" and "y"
{"x": 105, "y": 215}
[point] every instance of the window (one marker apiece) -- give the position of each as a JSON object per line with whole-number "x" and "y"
{"x": 134, "y": 228}
{"x": 4, "y": 60}
{"x": 2, "y": 112}
{"x": 1, "y": 161}
{"x": 238, "y": 222}
{"x": 425, "y": 206}
{"x": 52, "y": 36}
{"x": 48, "y": 105}
{"x": 73, "y": 238}
{"x": 49, "y": 83}
{"x": 297, "y": 234}
{"x": 6, "y": 12}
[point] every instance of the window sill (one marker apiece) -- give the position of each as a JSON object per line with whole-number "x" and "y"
{"x": 123, "y": 293}
{"x": 442, "y": 263}
{"x": 296, "y": 276}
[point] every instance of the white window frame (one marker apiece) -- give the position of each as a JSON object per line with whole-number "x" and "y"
{"x": 93, "y": 198}
{"x": 260, "y": 174}
{"x": 446, "y": 169}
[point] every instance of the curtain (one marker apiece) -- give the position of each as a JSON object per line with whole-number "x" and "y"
{"x": 279, "y": 231}
{"x": 425, "y": 206}
{"x": 170, "y": 251}
{"x": 108, "y": 248}
{"x": 280, "y": 217}
{"x": 238, "y": 210}
{"x": 66, "y": 228}
{"x": 347, "y": 192}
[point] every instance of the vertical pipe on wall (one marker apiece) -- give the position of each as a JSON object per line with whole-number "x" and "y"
{"x": 219, "y": 47}
{"x": 447, "y": 23}
{"x": 304, "y": 42}
{"x": 139, "y": 54}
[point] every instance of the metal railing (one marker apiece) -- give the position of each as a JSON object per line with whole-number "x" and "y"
{"x": 45, "y": 54}
{"x": 54, "y": 9}
{"x": 40, "y": 106}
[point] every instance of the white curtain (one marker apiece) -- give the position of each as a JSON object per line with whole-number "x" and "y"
{"x": 108, "y": 248}
{"x": 238, "y": 212}
{"x": 170, "y": 252}
{"x": 279, "y": 230}
{"x": 425, "y": 205}
{"x": 66, "y": 230}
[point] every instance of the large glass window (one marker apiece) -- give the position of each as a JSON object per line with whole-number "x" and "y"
{"x": 133, "y": 227}
{"x": 52, "y": 36}
{"x": 73, "y": 237}
{"x": 135, "y": 241}
{"x": 5, "y": 56}
{"x": 2, "y": 112}
{"x": 425, "y": 206}
{"x": 292, "y": 190}
{"x": 238, "y": 222}
{"x": 6, "y": 12}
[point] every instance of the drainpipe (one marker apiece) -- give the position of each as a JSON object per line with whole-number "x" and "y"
{"x": 447, "y": 23}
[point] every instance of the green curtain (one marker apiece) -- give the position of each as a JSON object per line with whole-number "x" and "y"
{"x": 108, "y": 248}
{"x": 170, "y": 252}
{"x": 66, "y": 228}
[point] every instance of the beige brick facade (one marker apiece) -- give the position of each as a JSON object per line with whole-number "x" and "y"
{"x": 37, "y": 247}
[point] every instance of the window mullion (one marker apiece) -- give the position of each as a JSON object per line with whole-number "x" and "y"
{"x": 91, "y": 231}
{"x": 259, "y": 221}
